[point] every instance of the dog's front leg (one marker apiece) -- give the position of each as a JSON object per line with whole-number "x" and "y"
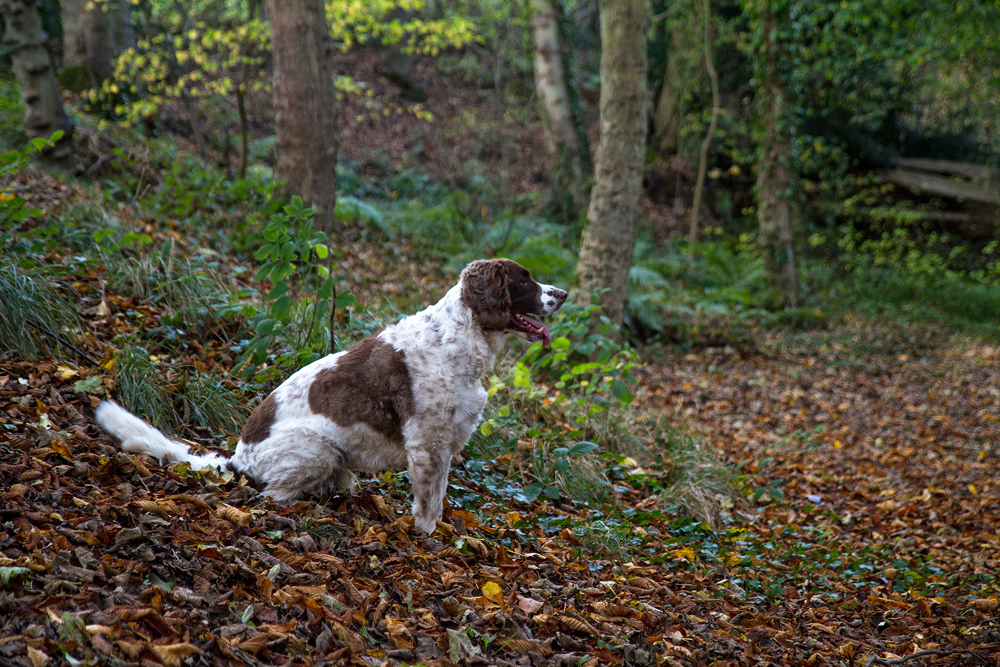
{"x": 428, "y": 469}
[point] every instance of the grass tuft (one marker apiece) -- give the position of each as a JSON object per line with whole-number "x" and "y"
{"x": 213, "y": 405}
{"x": 180, "y": 285}
{"x": 140, "y": 389}
{"x": 32, "y": 313}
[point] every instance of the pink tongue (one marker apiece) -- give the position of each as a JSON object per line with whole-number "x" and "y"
{"x": 535, "y": 323}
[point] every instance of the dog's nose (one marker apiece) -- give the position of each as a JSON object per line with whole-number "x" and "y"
{"x": 560, "y": 295}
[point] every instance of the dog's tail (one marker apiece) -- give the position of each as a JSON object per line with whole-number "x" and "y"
{"x": 139, "y": 437}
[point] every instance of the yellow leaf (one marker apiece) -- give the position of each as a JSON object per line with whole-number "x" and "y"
{"x": 686, "y": 552}
{"x": 972, "y": 489}
{"x": 492, "y": 592}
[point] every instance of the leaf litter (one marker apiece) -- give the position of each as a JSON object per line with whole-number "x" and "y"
{"x": 869, "y": 535}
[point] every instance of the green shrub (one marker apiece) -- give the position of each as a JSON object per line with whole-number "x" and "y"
{"x": 560, "y": 426}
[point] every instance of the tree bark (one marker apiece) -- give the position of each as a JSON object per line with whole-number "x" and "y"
{"x": 107, "y": 32}
{"x": 550, "y": 81}
{"x": 774, "y": 177}
{"x": 609, "y": 238}
{"x": 699, "y": 187}
{"x": 74, "y": 33}
{"x": 305, "y": 105}
{"x": 43, "y": 109}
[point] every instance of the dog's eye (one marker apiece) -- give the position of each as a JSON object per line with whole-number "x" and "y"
{"x": 524, "y": 280}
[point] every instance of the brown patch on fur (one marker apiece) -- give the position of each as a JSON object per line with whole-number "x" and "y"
{"x": 370, "y": 384}
{"x": 484, "y": 292}
{"x": 258, "y": 427}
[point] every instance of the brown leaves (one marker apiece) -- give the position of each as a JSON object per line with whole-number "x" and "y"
{"x": 173, "y": 654}
{"x": 234, "y": 516}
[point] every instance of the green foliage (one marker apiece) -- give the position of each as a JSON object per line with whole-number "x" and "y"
{"x": 465, "y": 227}
{"x": 560, "y": 427}
{"x": 185, "y": 56}
{"x": 289, "y": 259}
{"x": 355, "y": 22}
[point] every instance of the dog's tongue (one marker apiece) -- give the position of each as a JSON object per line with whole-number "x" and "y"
{"x": 545, "y": 330}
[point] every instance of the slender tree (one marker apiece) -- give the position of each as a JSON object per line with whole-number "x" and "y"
{"x": 609, "y": 238}
{"x": 43, "y": 109}
{"x": 774, "y": 127}
{"x": 699, "y": 187}
{"x": 550, "y": 82}
{"x": 305, "y": 105}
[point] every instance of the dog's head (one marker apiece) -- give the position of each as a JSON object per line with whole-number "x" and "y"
{"x": 502, "y": 297}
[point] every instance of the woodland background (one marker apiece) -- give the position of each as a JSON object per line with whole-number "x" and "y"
{"x": 767, "y": 429}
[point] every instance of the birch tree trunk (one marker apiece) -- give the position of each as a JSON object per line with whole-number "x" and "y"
{"x": 305, "y": 105}
{"x": 550, "y": 80}
{"x": 609, "y": 238}
{"x": 43, "y": 109}
{"x": 775, "y": 211}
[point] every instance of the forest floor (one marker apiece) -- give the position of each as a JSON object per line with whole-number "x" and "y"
{"x": 868, "y": 450}
{"x": 871, "y": 540}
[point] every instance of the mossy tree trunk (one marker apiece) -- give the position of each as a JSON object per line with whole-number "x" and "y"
{"x": 775, "y": 208}
{"x": 32, "y": 64}
{"x": 566, "y": 163}
{"x": 609, "y": 237}
{"x": 305, "y": 105}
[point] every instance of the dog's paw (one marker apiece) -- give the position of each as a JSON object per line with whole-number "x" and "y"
{"x": 425, "y": 523}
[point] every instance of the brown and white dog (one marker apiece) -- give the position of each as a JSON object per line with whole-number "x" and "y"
{"x": 409, "y": 397}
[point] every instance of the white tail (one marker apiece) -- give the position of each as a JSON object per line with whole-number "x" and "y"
{"x": 139, "y": 437}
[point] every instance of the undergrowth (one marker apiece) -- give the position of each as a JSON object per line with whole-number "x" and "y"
{"x": 561, "y": 427}
{"x": 34, "y": 317}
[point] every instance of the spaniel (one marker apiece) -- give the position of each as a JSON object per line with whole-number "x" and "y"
{"x": 408, "y": 398}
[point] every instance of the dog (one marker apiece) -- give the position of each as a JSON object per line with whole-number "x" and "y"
{"x": 407, "y": 398}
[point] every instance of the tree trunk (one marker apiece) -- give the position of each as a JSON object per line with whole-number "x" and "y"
{"x": 107, "y": 32}
{"x": 669, "y": 103}
{"x": 43, "y": 109}
{"x": 74, "y": 33}
{"x": 774, "y": 176}
{"x": 699, "y": 187}
{"x": 609, "y": 238}
{"x": 550, "y": 80}
{"x": 305, "y": 105}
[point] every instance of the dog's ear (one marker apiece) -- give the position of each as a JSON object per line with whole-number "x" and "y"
{"x": 484, "y": 291}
